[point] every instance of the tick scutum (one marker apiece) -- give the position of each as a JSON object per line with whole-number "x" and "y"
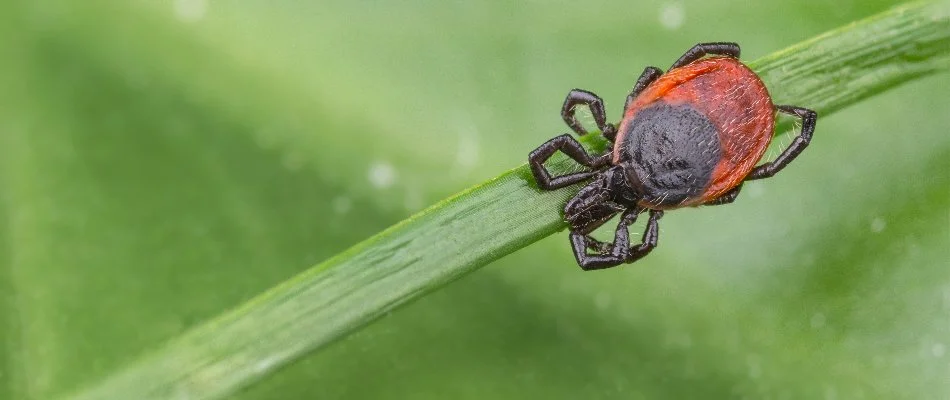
{"x": 670, "y": 152}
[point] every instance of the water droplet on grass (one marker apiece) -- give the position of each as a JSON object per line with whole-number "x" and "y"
{"x": 467, "y": 155}
{"x": 878, "y": 224}
{"x": 755, "y": 366}
{"x": 382, "y": 174}
{"x": 190, "y": 10}
{"x": 938, "y": 350}
{"x": 672, "y": 15}
{"x": 753, "y": 190}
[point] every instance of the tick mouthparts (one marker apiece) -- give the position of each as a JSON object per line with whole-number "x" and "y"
{"x": 575, "y": 221}
{"x": 590, "y": 216}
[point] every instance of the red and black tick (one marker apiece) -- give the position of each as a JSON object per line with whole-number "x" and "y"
{"x": 688, "y": 137}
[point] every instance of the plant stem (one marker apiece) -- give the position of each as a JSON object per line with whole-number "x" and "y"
{"x": 489, "y": 221}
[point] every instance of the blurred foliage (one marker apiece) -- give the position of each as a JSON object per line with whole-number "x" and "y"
{"x": 162, "y": 161}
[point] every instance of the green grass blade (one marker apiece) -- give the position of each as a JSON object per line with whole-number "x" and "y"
{"x": 486, "y": 222}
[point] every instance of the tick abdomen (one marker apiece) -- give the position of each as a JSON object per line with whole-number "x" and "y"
{"x": 672, "y": 150}
{"x": 729, "y": 96}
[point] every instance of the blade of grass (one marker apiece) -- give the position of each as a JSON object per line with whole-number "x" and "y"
{"x": 486, "y": 222}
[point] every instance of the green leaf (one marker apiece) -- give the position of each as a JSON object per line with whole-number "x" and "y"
{"x": 489, "y": 221}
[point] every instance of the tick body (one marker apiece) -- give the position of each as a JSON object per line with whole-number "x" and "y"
{"x": 688, "y": 137}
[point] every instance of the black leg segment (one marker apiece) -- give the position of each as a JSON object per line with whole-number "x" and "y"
{"x": 570, "y": 146}
{"x": 649, "y": 75}
{"x": 725, "y": 198}
{"x": 650, "y": 236}
{"x": 703, "y": 49}
{"x": 808, "y": 118}
{"x": 620, "y": 251}
{"x": 580, "y": 242}
{"x": 582, "y": 97}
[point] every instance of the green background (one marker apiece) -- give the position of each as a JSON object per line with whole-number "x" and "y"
{"x": 163, "y": 161}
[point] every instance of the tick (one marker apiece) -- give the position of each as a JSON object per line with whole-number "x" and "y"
{"x": 689, "y": 137}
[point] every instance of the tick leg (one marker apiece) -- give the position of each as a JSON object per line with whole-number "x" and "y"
{"x": 618, "y": 250}
{"x": 649, "y": 75}
{"x": 570, "y": 146}
{"x": 808, "y": 118}
{"x": 582, "y": 97}
{"x": 703, "y": 49}
{"x": 725, "y": 198}
{"x": 650, "y": 236}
